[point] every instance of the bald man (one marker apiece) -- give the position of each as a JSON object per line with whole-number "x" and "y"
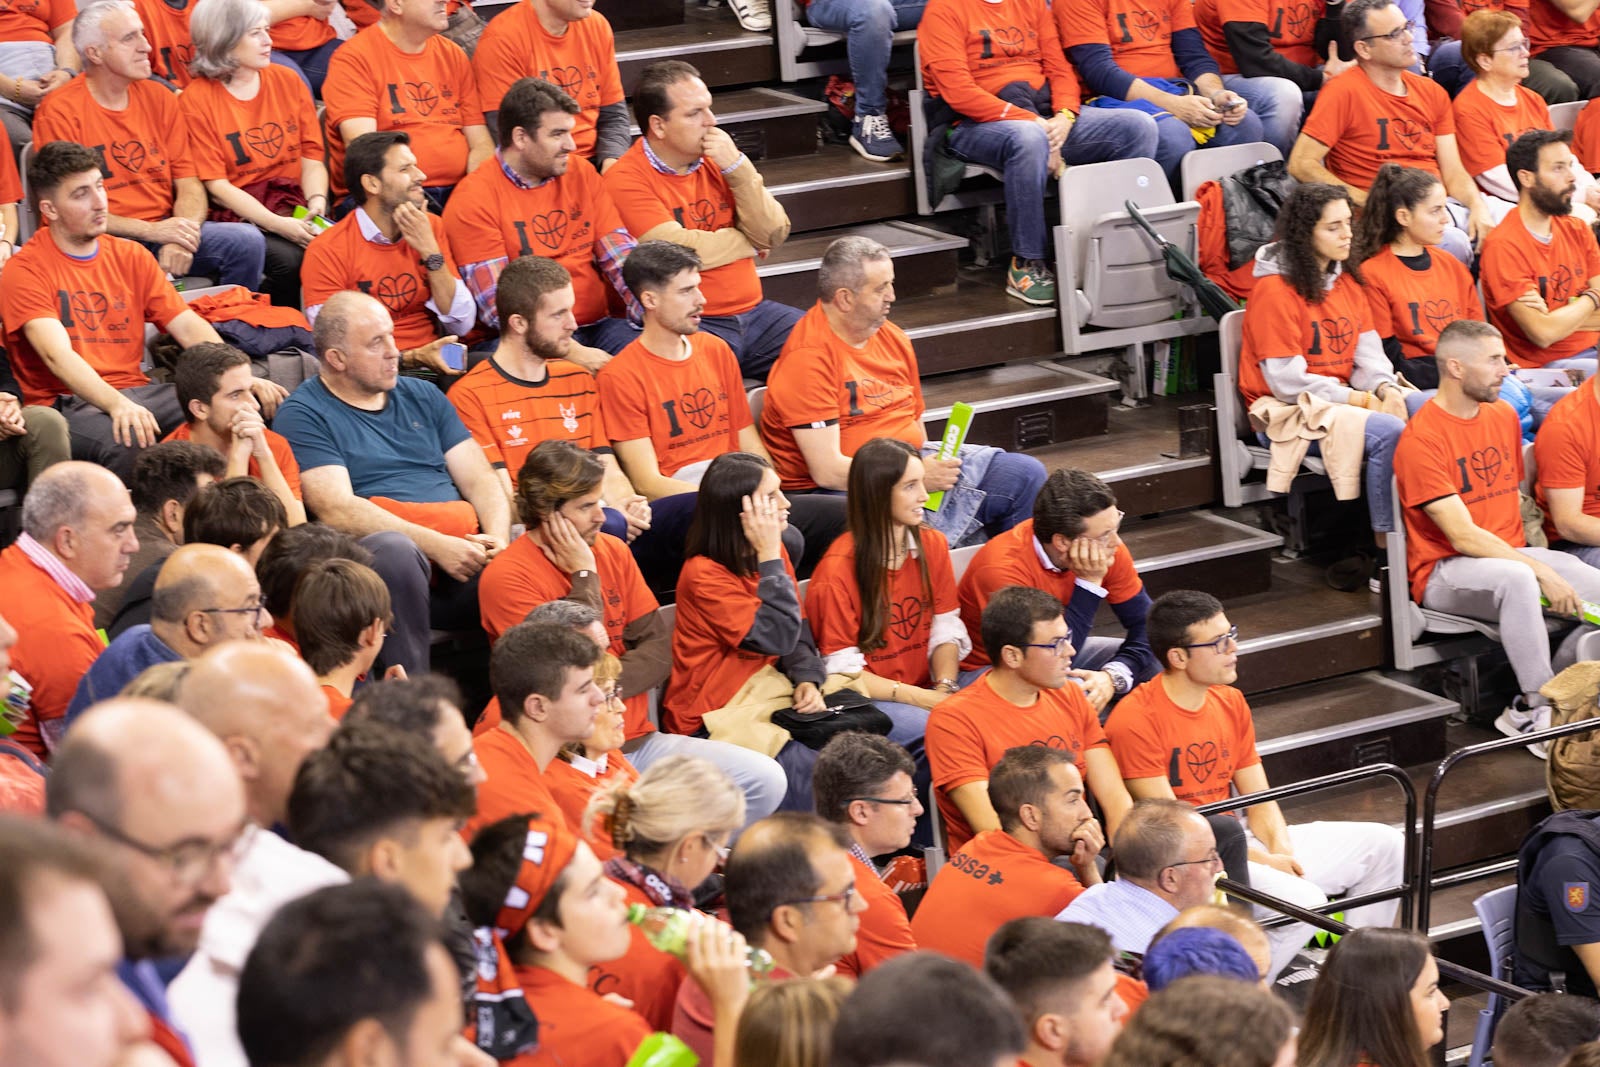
{"x": 264, "y": 703}
{"x": 77, "y": 537}
{"x": 204, "y": 596}
{"x": 159, "y": 798}
{"x": 379, "y": 453}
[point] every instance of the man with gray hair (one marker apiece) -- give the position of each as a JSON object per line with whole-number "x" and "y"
{"x": 379, "y": 452}
{"x": 77, "y": 535}
{"x": 847, "y": 374}
{"x": 154, "y": 193}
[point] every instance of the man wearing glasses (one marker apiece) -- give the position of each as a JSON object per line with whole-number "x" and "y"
{"x": 1383, "y": 113}
{"x": 1188, "y": 735}
{"x": 160, "y": 800}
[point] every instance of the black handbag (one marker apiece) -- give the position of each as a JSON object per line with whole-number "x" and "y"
{"x": 847, "y": 710}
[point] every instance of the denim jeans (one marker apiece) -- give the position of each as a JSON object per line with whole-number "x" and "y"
{"x": 756, "y": 336}
{"x": 1021, "y": 151}
{"x": 1177, "y": 139}
{"x": 608, "y": 335}
{"x": 1545, "y": 397}
{"x": 1277, "y": 102}
{"x": 760, "y": 777}
{"x": 1009, "y": 486}
{"x": 312, "y": 63}
{"x": 234, "y": 253}
{"x": 868, "y": 27}
{"x": 1382, "y": 434}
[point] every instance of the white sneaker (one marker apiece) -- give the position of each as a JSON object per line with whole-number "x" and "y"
{"x": 1517, "y": 720}
{"x": 753, "y": 15}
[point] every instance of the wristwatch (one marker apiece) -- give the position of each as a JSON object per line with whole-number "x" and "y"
{"x": 581, "y": 574}
{"x": 434, "y": 262}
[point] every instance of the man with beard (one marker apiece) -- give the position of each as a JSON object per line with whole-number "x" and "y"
{"x": 1541, "y": 266}
{"x": 1458, "y": 466}
{"x": 159, "y": 797}
{"x": 391, "y": 247}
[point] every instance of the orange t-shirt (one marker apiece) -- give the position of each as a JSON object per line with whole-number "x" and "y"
{"x": 1412, "y": 306}
{"x": 1279, "y": 323}
{"x": 433, "y": 96}
{"x": 1365, "y": 127}
{"x": 716, "y": 608}
{"x": 1586, "y": 140}
{"x": 33, "y": 20}
{"x": 1549, "y": 27}
{"x": 508, "y": 416}
{"x": 10, "y": 180}
{"x": 821, "y": 380}
{"x": 1291, "y": 27}
{"x": 971, "y": 49}
{"x": 572, "y": 789}
{"x": 646, "y": 975}
{"x": 1485, "y": 129}
{"x": 1197, "y": 752}
{"x": 969, "y": 732}
{"x": 563, "y": 219}
{"x": 338, "y": 703}
{"x": 1567, "y": 445}
{"x": 1012, "y": 558}
{"x": 1139, "y": 32}
{"x": 700, "y": 200}
{"x": 56, "y": 642}
{"x": 166, "y": 27}
{"x": 342, "y": 258}
{"x": 276, "y": 443}
{"x": 250, "y": 141}
{"x": 691, "y": 409}
{"x": 833, "y": 607}
{"x": 1513, "y": 261}
{"x": 143, "y": 148}
{"x": 522, "y": 577}
{"x": 1477, "y": 459}
{"x": 302, "y": 33}
{"x": 582, "y": 62}
{"x": 885, "y": 932}
{"x": 577, "y": 1027}
{"x": 995, "y": 878}
{"x": 104, "y": 303}
{"x": 513, "y": 785}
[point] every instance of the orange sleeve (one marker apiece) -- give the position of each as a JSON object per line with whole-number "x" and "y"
{"x": 500, "y": 58}
{"x": 10, "y": 180}
{"x": 811, "y": 395}
{"x": 1065, "y": 91}
{"x": 305, "y": 109}
{"x": 1133, "y": 738}
{"x": 210, "y": 150}
{"x": 351, "y": 88}
{"x": 287, "y": 466}
{"x": 635, "y": 195}
{"x": 180, "y": 151}
{"x": 955, "y": 749}
{"x": 1091, "y": 734}
{"x": 1586, "y": 139}
{"x": 1476, "y": 137}
{"x": 327, "y": 266}
{"x": 469, "y": 408}
{"x": 162, "y": 303}
{"x": 733, "y": 382}
{"x": 1505, "y": 272}
{"x": 942, "y": 40}
{"x": 467, "y": 97}
{"x": 833, "y": 606}
{"x": 1335, "y": 110}
{"x": 73, "y": 650}
{"x": 473, "y": 228}
{"x": 1428, "y": 472}
{"x": 605, "y": 61}
{"x": 1560, "y": 456}
{"x": 1274, "y": 328}
{"x": 1081, "y": 23}
{"x": 1244, "y": 728}
{"x": 623, "y": 398}
{"x": 885, "y": 931}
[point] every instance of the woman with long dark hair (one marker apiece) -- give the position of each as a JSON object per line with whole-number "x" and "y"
{"x": 1309, "y": 330}
{"x": 1414, "y": 289}
{"x": 882, "y": 602}
{"x": 1376, "y": 1003}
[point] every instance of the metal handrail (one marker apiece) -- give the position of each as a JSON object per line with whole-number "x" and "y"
{"x": 1430, "y": 803}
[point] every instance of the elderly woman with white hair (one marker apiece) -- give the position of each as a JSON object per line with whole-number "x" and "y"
{"x": 257, "y": 142}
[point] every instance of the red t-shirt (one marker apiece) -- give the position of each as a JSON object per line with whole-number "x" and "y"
{"x": 971, "y": 49}
{"x": 572, "y": 789}
{"x": 821, "y": 380}
{"x": 691, "y": 410}
{"x": 56, "y": 642}
{"x": 577, "y": 1026}
{"x": 513, "y": 783}
{"x": 1513, "y": 262}
{"x": 1197, "y": 752}
{"x": 1485, "y": 129}
{"x": 1291, "y": 27}
{"x": 885, "y": 932}
{"x": 301, "y": 33}
{"x": 340, "y": 258}
{"x": 1477, "y": 459}
{"x": 1138, "y": 32}
{"x": 1412, "y": 306}
{"x": 250, "y": 141}
{"x": 969, "y": 732}
{"x": 1549, "y": 27}
{"x": 338, "y": 703}
{"x": 1586, "y": 140}
{"x": 166, "y": 27}
{"x": 1365, "y": 127}
{"x": 1278, "y": 323}
{"x": 277, "y": 443}
{"x": 833, "y": 607}
{"x": 1567, "y": 450}
{"x": 508, "y": 415}
{"x": 1012, "y": 558}
{"x": 10, "y": 180}
{"x": 522, "y": 577}
{"x": 104, "y": 303}
{"x": 34, "y": 20}
{"x": 646, "y": 975}
{"x": 993, "y": 879}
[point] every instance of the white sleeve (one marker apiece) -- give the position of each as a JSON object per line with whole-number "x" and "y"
{"x": 949, "y": 629}
{"x": 845, "y": 661}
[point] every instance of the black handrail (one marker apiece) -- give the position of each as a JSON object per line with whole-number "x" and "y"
{"x": 1327, "y": 781}
{"x": 1430, "y": 802}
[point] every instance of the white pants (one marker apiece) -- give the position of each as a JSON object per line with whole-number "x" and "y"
{"x": 1340, "y": 859}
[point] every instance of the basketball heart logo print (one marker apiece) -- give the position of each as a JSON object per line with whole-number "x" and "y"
{"x": 266, "y": 139}
{"x": 89, "y": 313}
{"x": 129, "y": 155}
{"x": 423, "y": 97}
{"x": 550, "y": 229}
{"x": 569, "y": 78}
{"x": 699, "y": 407}
{"x": 397, "y": 291}
{"x": 1440, "y": 313}
{"x": 905, "y": 618}
{"x": 1340, "y": 332}
{"x": 1486, "y": 464}
{"x": 1201, "y": 759}
{"x": 1299, "y": 18}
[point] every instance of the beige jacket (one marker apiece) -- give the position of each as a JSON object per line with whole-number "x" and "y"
{"x": 746, "y": 720}
{"x": 1339, "y": 430}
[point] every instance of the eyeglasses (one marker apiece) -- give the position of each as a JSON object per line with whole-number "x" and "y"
{"x": 722, "y": 851}
{"x": 904, "y": 802}
{"x": 846, "y": 896}
{"x": 187, "y": 861}
{"x": 1395, "y": 35}
{"x": 1105, "y": 538}
{"x": 1210, "y": 859}
{"x": 468, "y": 763}
{"x": 1221, "y": 644}
{"x": 1059, "y": 646}
{"x": 254, "y": 609}
{"x": 1520, "y": 48}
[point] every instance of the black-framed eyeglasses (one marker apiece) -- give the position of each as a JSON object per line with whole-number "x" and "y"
{"x": 1219, "y": 645}
{"x": 187, "y": 861}
{"x": 1395, "y": 35}
{"x": 1210, "y": 859}
{"x": 845, "y": 896}
{"x": 1059, "y": 646}
{"x": 254, "y": 609}
{"x": 904, "y": 802}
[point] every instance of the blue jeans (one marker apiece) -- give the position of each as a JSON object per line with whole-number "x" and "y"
{"x": 608, "y": 335}
{"x": 760, "y": 777}
{"x": 234, "y": 253}
{"x": 1021, "y": 151}
{"x": 1009, "y": 486}
{"x": 1382, "y": 434}
{"x": 1177, "y": 139}
{"x": 1546, "y": 396}
{"x": 756, "y": 336}
{"x": 311, "y": 63}
{"x": 868, "y": 27}
{"x": 1277, "y": 102}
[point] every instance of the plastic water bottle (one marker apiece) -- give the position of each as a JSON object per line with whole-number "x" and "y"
{"x": 667, "y": 929}
{"x": 663, "y": 1050}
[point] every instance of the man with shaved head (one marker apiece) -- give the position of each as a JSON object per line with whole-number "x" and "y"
{"x": 159, "y": 799}
{"x": 77, "y": 536}
{"x": 204, "y": 595}
{"x": 264, "y": 704}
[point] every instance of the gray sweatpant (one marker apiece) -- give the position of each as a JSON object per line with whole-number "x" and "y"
{"x": 92, "y": 438}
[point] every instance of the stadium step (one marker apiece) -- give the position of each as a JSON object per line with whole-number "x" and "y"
{"x": 1300, "y": 630}
{"x": 645, "y": 14}
{"x": 1201, "y": 550}
{"x": 924, "y": 259}
{"x": 766, "y": 123}
{"x": 1346, "y": 722}
{"x": 975, "y": 324}
{"x": 710, "y": 38}
{"x": 1022, "y": 406}
{"x": 835, "y": 187}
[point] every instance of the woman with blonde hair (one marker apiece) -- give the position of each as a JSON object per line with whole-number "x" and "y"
{"x": 670, "y": 829}
{"x": 790, "y": 1023}
{"x": 583, "y": 768}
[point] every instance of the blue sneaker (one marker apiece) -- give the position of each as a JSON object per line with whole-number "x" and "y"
{"x": 871, "y": 136}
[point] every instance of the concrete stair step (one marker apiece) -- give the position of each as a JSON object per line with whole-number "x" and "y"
{"x": 1021, "y": 406}
{"x": 647, "y": 14}
{"x": 974, "y": 324}
{"x": 812, "y": 189}
{"x": 1300, "y": 630}
{"x": 710, "y": 38}
{"x": 924, "y": 259}
{"x": 1201, "y": 550}
{"x": 766, "y": 123}
{"x": 1346, "y": 722}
